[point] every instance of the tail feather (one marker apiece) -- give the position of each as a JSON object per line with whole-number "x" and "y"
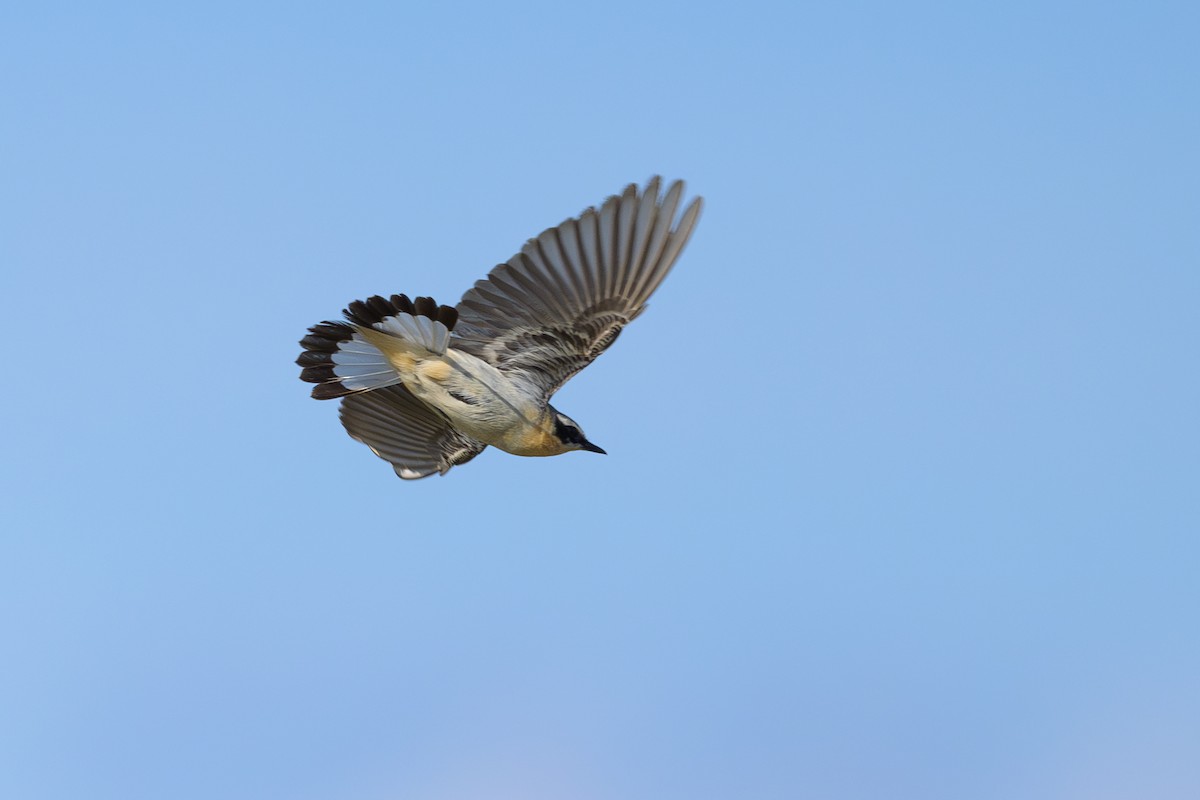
{"x": 421, "y": 321}
{"x": 341, "y": 361}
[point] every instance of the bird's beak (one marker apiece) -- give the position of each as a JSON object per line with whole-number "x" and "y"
{"x": 591, "y": 448}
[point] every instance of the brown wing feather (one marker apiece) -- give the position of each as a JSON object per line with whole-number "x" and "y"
{"x": 402, "y": 430}
{"x": 558, "y": 304}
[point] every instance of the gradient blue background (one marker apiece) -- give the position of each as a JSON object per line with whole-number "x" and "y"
{"x": 902, "y": 498}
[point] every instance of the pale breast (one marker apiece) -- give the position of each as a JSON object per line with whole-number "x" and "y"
{"x": 484, "y": 403}
{"x": 526, "y": 440}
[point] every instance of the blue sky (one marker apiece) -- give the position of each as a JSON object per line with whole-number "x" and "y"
{"x": 902, "y": 493}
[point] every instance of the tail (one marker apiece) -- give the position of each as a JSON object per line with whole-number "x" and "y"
{"x": 341, "y": 360}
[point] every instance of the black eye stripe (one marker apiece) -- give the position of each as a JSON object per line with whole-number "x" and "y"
{"x": 567, "y": 432}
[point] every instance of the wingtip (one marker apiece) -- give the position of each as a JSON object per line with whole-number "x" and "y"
{"x": 675, "y": 189}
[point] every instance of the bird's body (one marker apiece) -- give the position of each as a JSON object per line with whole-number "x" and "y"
{"x": 427, "y": 387}
{"x": 476, "y": 398}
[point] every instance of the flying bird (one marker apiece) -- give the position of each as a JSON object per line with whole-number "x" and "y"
{"x": 428, "y": 386}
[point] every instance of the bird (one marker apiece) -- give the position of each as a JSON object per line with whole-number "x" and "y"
{"x": 427, "y": 386}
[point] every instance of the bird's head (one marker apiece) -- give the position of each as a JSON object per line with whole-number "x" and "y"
{"x": 567, "y": 431}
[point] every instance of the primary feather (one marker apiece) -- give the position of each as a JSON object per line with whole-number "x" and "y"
{"x": 552, "y": 308}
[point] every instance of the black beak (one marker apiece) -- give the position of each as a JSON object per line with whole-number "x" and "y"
{"x": 591, "y": 448}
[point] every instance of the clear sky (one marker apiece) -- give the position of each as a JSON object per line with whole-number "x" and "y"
{"x": 902, "y": 497}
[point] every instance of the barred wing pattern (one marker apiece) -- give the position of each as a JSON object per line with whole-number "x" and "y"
{"x": 554, "y": 307}
{"x": 399, "y": 428}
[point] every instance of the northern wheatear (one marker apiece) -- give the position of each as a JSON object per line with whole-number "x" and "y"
{"x": 427, "y": 386}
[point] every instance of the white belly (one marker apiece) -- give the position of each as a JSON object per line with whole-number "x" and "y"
{"x": 482, "y": 402}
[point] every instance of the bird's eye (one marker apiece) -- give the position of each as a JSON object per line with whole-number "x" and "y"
{"x": 568, "y": 432}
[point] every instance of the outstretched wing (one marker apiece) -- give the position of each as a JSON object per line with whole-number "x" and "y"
{"x": 561, "y": 301}
{"x": 401, "y": 429}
